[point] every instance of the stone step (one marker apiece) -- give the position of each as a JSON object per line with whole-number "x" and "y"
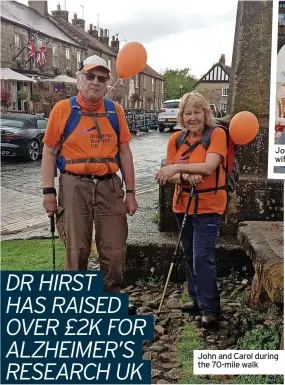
{"x": 263, "y": 243}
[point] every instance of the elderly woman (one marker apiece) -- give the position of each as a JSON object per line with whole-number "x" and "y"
{"x": 200, "y": 160}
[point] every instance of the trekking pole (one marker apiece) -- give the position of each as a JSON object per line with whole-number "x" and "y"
{"x": 52, "y": 229}
{"x": 191, "y": 195}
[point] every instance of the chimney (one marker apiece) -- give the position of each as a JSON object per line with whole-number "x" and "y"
{"x": 60, "y": 14}
{"x": 222, "y": 59}
{"x": 76, "y": 21}
{"x": 40, "y": 6}
{"x": 115, "y": 44}
{"x": 104, "y": 36}
{"x": 93, "y": 31}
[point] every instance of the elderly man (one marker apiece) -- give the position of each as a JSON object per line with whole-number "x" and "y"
{"x": 88, "y": 136}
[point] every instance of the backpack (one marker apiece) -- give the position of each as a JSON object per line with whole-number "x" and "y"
{"x": 231, "y": 169}
{"x": 73, "y": 121}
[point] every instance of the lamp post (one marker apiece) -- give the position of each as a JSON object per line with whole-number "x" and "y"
{"x": 180, "y": 87}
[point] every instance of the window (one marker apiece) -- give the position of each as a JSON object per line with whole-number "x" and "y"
{"x": 42, "y": 124}
{"x": 67, "y": 59}
{"x": 17, "y": 41}
{"x": 68, "y": 90}
{"x": 162, "y": 87}
{"x": 14, "y": 123}
{"x": 55, "y": 60}
{"x": 225, "y": 92}
{"x": 78, "y": 59}
{"x": 223, "y": 107}
{"x": 144, "y": 82}
{"x": 110, "y": 64}
{"x": 137, "y": 81}
{"x": 152, "y": 84}
{"x": 39, "y": 43}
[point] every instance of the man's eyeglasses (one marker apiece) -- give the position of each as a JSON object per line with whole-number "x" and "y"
{"x": 90, "y": 77}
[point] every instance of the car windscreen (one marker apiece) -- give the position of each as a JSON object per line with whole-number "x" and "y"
{"x": 171, "y": 105}
{"x": 16, "y": 123}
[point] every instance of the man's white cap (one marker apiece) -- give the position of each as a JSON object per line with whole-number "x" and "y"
{"x": 94, "y": 61}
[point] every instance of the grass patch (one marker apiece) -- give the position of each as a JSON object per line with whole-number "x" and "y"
{"x": 155, "y": 218}
{"x": 261, "y": 338}
{"x": 32, "y": 255}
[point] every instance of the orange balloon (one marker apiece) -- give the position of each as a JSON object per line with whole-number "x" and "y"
{"x": 131, "y": 60}
{"x": 243, "y": 127}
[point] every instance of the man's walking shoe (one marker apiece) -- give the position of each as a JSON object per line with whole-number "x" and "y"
{"x": 210, "y": 322}
{"x": 190, "y": 307}
{"x": 132, "y": 309}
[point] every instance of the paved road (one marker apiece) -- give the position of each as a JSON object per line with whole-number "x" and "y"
{"x": 21, "y": 191}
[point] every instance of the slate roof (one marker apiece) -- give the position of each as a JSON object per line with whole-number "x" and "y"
{"x": 151, "y": 72}
{"x": 82, "y": 34}
{"x": 28, "y": 17}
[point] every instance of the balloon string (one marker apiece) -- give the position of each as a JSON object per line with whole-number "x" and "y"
{"x": 112, "y": 87}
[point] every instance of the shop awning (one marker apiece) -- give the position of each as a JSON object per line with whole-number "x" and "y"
{"x": 61, "y": 79}
{"x": 8, "y": 74}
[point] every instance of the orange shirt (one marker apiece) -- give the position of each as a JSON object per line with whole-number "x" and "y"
{"x": 84, "y": 143}
{"x": 208, "y": 202}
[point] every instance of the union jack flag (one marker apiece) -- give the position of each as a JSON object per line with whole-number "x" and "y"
{"x": 41, "y": 57}
{"x": 31, "y": 48}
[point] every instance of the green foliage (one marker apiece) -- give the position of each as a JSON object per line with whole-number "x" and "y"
{"x": 36, "y": 97}
{"x": 261, "y": 338}
{"x": 259, "y": 379}
{"x": 151, "y": 281}
{"x": 32, "y": 255}
{"x": 23, "y": 94}
{"x": 155, "y": 218}
{"x": 174, "y": 78}
{"x": 135, "y": 97}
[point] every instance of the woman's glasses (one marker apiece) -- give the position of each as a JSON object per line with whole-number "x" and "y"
{"x": 90, "y": 77}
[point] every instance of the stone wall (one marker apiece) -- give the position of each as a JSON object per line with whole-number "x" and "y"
{"x": 8, "y": 51}
{"x": 213, "y": 92}
{"x": 251, "y": 61}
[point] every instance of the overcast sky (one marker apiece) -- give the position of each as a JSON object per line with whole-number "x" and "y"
{"x": 175, "y": 33}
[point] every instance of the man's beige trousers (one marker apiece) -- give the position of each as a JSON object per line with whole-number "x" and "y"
{"x": 83, "y": 202}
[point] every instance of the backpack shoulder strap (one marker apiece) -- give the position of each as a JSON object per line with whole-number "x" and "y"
{"x": 110, "y": 109}
{"x": 180, "y": 139}
{"x": 73, "y": 119}
{"x": 206, "y": 136}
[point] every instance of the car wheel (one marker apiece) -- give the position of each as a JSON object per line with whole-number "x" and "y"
{"x": 34, "y": 150}
{"x": 161, "y": 128}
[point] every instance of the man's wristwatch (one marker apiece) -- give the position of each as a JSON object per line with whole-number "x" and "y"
{"x": 130, "y": 191}
{"x": 49, "y": 190}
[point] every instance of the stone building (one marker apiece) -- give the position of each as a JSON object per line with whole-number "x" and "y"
{"x": 147, "y": 87}
{"x": 19, "y": 23}
{"x": 67, "y": 44}
{"x": 214, "y": 85}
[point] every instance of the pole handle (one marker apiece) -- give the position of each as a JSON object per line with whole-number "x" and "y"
{"x": 52, "y": 224}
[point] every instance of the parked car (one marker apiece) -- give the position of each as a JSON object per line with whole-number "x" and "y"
{"x": 22, "y": 134}
{"x": 167, "y": 116}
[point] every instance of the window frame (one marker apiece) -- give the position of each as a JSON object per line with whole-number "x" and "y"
{"x": 225, "y": 93}
{"x": 55, "y": 57}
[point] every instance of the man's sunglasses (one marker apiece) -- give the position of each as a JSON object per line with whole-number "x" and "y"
{"x": 90, "y": 77}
